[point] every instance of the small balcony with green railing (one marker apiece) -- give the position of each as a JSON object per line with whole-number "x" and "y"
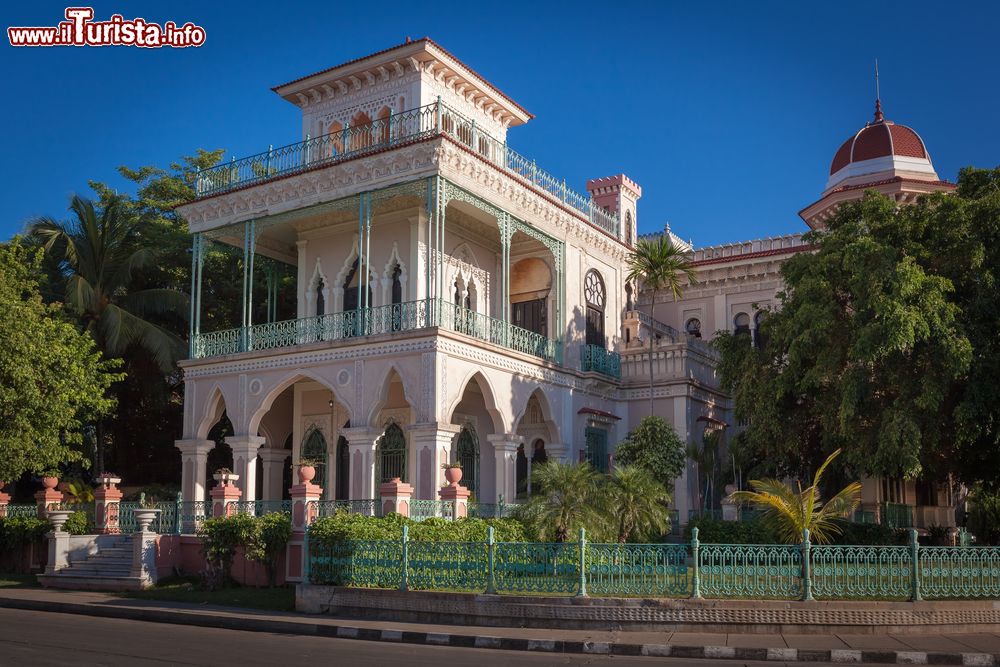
{"x": 598, "y": 359}
{"x": 400, "y": 129}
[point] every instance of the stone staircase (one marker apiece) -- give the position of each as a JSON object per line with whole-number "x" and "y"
{"x": 109, "y": 568}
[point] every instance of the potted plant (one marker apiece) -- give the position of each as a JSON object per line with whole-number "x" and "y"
{"x": 50, "y": 478}
{"x": 225, "y": 476}
{"x": 58, "y": 517}
{"x": 307, "y": 470}
{"x": 145, "y": 514}
{"x": 108, "y": 479}
{"x": 452, "y": 472}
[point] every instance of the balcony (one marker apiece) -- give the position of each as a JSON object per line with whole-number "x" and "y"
{"x": 399, "y": 129}
{"x": 599, "y": 360}
{"x": 394, "y": 318}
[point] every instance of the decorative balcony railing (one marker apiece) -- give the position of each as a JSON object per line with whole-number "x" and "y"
{"x": 383, "y": 133}
{"x": 897, "y": 515}
{"x": 596, "y": 358}
{"x": 393, "y": 318}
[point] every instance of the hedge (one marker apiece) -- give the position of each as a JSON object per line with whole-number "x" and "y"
{"x": 344, "y": 527}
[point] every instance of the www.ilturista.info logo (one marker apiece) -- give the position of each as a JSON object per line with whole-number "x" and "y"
{"x": 79, "y": 29}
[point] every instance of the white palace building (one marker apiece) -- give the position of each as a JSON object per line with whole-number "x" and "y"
{"x": 454, "y": 301}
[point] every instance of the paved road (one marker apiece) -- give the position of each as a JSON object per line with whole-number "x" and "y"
{"x": 50, "y": 639}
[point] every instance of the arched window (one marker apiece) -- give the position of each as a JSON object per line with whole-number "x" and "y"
{"x": 629, "y": 304}
{"x": 741, "y": 323}
{"x": 693, "y": 327}
{"x": 467, "y": 454}
{"x": 470, "y": 295}
{"x": 343, "y": 469}
{"x": 759, "y": 339}
{"x": 320, "y": 299}
{"x": 350, "y": 287}
{"x": 390, "y": 454}
{"x": 397, "y": 286}
{"x": 383, "y": 125}
{"x": 336, "y": 138}
{"x": 361, "y": 131}
{"x": 628, "y": 228}
{"x": 596, "y": 296}
{"x": 525, "y": 466}
{"x": 314, "y": 448}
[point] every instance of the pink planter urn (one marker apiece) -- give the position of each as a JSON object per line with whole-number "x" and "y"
{"x": 306, "y": 474}
{"x": 453, "y": 475}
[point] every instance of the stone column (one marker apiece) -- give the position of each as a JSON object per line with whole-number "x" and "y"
{"x": 107, "y": 497}
{"x": 144, "y": 557}
{"x": 304, "y": 512}
{"x": 245, "y": 450}
{"x": 58, "y": 545}
{"x": 432, "y": 444}
{"x": 361, "y": 444}
{"x": 395, "y": 496}
{"x": 48, "y": 496}
{"x": 505, "y": 450}
{"x": 4, "y": 500}
{"x": 224, "y": 494}
{"x": 194, "y": 462}
{"x": 274, "y": 470}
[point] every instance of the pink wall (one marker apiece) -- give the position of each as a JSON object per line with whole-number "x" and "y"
{"x": 181, "y": 554}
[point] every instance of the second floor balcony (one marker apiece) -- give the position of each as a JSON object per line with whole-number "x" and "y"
{"x": 388, "y": 319}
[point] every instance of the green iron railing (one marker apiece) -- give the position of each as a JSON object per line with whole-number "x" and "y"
{"x": 21, "y": 511}
{"x": 384, "y": 133}
{"x": 262, "y": 507}
{"x": 430, "y": 509}
{"x": 409, "y": 316}
{"x": 771, "y": 571}
{"x": 596, "y": 358}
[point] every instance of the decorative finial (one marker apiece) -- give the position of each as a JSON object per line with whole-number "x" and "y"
{"x": 878, "y": 97}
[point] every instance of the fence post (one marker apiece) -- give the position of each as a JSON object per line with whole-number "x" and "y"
{"x": 582, "y": 587}
{"x": 696, "y": 585}
{"x": 491, "y": 545}
{"x": 306, "y": 559}
{"x": 405, "y": 560}
{"x": 179, "y": 509}
{"x": 914, "y": 566}
{"x": 267, "y": 163}
{"x": 807, "y": 593}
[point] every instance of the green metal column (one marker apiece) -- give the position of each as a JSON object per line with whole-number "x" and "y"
{"x": 914, "y": 566}
{"x": 197, "y": 262}
{"x": 404, "y": 578}
{"x": 429, "y": 206}
{"x": 696, "y": 574}
{"x": 559, "y": 328}
{"x": 247, "y": 281}
{"x": 269, "y": 288}
{"x": 442, "y": 205}
{"x": 491, "y": 551}
{"x": 581, "y": 590}
{"x": 505, "y": 234}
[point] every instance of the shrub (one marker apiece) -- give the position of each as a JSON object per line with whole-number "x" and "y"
{"x": 655, "y": 446}
{"x": 870, "y": 533}
{"x": 16, "y": 534}
{"x": 271, "y": 535}
{"x": 78, "y": 523}
{"x": 220, "y": 538}
{"x": 344, "y": 527}
{"x": 717, "y": 531}
{"x": 984, "y": 517}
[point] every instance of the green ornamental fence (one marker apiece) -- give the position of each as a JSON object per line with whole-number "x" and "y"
{"x": 774, "y": 571}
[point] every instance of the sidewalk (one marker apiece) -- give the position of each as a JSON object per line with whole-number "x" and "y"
{"x": 959, "y": 649}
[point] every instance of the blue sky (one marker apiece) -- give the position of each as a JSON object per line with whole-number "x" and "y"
{"x": 727, "y": 113}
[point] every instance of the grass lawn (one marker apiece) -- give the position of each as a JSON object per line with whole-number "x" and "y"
{"x": 186, "y": 589}
{"x": 18, "y": 580}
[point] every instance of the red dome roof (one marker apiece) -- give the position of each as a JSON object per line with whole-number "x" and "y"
{"x": 879, "y": 138}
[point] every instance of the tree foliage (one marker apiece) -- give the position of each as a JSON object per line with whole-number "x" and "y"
{"x": 655, "y": 446}
{"x": 637, "y": 503}
{"x": 884, "y": 344}
{"x": 52, "y": 378}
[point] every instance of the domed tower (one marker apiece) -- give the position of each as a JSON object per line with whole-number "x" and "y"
{"x": 882, "y": 156}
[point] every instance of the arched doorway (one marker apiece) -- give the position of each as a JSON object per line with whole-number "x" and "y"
{"x": 525, "y": 464}
{"x": 467, "y": 454}
{"x": 390, "y": 455}
{"x": 314, "y": 449}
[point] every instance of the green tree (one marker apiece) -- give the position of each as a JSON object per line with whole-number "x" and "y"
{"x": 884, "y": 344}
{"x": 99, "y": 251}
{"x": 52, "y": 378}
{"x": 567, "y": 498}
{"x": 789, "y": 512}
{"x": 638, "y": 504}
{"x": 654, "y": 446}
{"x": 659, "y": 265}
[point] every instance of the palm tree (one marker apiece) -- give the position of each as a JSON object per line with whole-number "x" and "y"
{"x": 639, "y": 503}
{"x": 659, "y": 264}
{"x": 790, "y": 513}
{"x": 98, "y": 251}
{"x": 564, "y": 497}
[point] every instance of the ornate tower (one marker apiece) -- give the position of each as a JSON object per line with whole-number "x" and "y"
{"x": 618, "y": 194}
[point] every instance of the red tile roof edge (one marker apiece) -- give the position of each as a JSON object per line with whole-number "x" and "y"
{"x": 752, "y": 255}
{"x": 599, "y": 413}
